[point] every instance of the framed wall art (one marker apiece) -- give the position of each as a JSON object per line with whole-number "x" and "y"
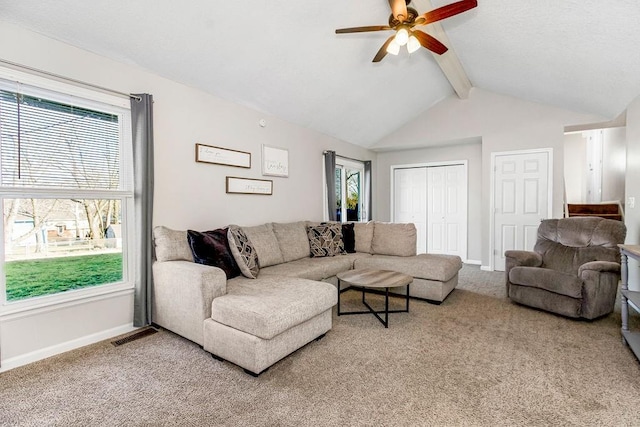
{"x": 275, "y": 161}
{"x": 237, "y": 185}
{"x": 222, "y": 156}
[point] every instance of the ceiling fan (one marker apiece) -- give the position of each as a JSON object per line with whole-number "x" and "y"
{"x": 403, "y": 19}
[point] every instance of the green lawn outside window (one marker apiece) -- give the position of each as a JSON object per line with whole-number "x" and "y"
{"x": 38, "y": 277}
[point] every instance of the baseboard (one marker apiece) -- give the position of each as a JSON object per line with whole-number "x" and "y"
{"x": 34, "y": 356}
{"x": 473, "y": 262}
{"x": 485, "y": 268}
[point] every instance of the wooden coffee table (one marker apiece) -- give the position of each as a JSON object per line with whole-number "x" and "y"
{"x": 369, "y": 278}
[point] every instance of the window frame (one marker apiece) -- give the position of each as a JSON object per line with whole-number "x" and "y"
{"x": 14, "y": 80}
{"x": 346, "y": 164}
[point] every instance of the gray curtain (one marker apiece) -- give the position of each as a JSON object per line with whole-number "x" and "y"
{"x": 367, "y": 206}
{"x": 330, "y": 172}
{"x": 142, "y": 127}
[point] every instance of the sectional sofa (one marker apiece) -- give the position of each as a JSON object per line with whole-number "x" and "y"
{"x": 284, "y": 297}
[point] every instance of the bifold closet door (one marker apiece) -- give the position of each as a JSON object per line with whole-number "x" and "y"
{"x": 447, "y": 210}
{"x": 410, "y": 201}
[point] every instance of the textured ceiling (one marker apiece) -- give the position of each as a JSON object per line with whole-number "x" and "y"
{"x": 284, "y": 59}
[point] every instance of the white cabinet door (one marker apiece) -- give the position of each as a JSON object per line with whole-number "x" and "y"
{"x": 521, "y": 201}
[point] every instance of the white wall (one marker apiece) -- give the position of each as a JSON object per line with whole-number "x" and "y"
{"x": 575, "y": 163}
{"x": 187, "y": 194}
{"x": 471, "y": 152}
{"x": 632, "y": 187}
{"x": 614, "y": 164}
{"x": 504, "y": 124}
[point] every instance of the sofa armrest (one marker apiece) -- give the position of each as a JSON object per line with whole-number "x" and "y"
{"x": 600, "y": 266}
{"x": 182, "y": 296}
{"x": 519, "y": 259}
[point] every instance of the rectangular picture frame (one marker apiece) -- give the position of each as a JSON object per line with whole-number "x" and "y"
{"x": 222, "y": 156}
{"x": 238, "y": 185}
{"x": 275, "y": 161}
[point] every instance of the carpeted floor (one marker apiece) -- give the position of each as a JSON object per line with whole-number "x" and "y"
{"x": 477, "y": 359}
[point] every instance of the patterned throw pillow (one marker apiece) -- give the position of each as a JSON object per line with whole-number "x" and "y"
{"x": 243, "y": 252}
{"x": 325, "y": 240}
{"x": 212, "y": 248}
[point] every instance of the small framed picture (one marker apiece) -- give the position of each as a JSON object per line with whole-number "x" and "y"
{"x": 275, "y": 161}
{"x": 236, "y": 185}
{"x": 222, "y": 156}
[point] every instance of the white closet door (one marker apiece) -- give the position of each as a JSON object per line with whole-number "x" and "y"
{"x": 410, "y": 204}
{"x": 447, "y": 210}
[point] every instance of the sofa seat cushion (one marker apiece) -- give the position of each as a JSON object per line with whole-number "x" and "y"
{"x": 547, "y": 279}
{"x": 311, "y": 268}
{"x": 270, "y": 305}
{"x": 440, "y": 268}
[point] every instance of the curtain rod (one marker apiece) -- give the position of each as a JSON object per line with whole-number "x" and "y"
{"x": 345, "y": 157}
{"x": 67, "y": 79}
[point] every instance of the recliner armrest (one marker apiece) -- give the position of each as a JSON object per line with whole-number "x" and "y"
{"x": 523, "y": 258}
{"x": 600, "y": 266}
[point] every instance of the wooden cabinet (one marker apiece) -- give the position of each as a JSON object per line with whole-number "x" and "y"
{"x": 631, "y": 338}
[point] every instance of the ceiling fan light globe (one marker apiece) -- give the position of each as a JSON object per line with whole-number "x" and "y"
{"x": 413, "y": 44}
{"x": 393, "y": 48}
{"x": 402, "y": 37}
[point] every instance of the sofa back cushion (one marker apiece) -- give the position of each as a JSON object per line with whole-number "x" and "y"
{"x": 292, "y": 239}
{"x": 565, "y": 244}
{"x": 393, "y": 239}
{"x": 171, "y": 245}
{"x": 265, "y": 243}
{"x": 363, "y": 236}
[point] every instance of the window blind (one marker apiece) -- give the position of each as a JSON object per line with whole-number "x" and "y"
{"x": 44, "y": 143}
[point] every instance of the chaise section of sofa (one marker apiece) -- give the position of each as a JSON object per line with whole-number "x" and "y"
{"x": 258, "y": 322}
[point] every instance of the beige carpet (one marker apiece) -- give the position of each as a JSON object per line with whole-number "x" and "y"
{"x": 477, "y": 359}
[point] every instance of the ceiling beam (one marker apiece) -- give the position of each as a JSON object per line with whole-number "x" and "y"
{"x": 448, "y": 61}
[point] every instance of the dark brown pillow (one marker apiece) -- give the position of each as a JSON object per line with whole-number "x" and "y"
{"x": 212, "y": 248}
{"x": 349, "y": 237}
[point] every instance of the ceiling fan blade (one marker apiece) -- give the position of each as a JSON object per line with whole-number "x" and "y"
{"x": 430, "y": 42}
{"x": 399, "y": 9}
{"x": 446, "y": 11}
{"x": 363, "y": 29}
{"x": 383, "y": 50}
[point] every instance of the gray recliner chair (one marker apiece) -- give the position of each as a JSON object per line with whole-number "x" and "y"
{"x": 574, "y": 269}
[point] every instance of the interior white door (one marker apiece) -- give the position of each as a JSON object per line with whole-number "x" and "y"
{"x": 521, "y": 201}
{"x": 447, "y": 210}
{"x": 410, "y": 204}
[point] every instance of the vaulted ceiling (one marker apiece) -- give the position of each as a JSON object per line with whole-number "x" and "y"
{"x": 283, "y": 58}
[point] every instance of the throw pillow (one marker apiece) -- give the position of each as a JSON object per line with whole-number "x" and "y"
{"x": 325, "y": 240}
{"x": 349, "y": 237}
{"x": 212, "y": 248}
{"x": 243, "y": 252}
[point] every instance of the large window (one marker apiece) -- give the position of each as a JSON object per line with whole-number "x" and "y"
{"x": 349, "y": 190}
{"x": 66, "y": 192}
